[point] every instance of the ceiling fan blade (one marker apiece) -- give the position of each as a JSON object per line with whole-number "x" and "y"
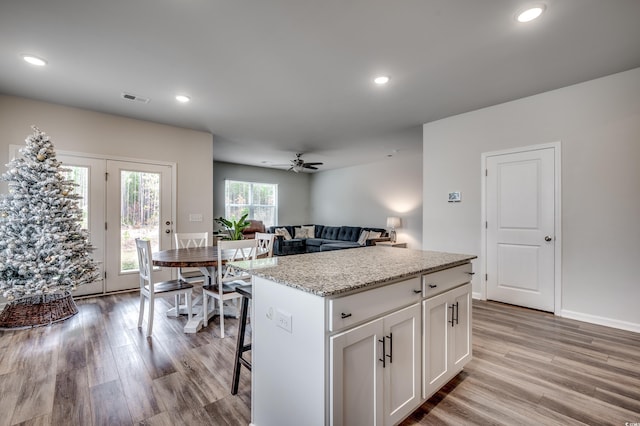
{"x": 306, "y": 166}
{"x": 313, "y": 164}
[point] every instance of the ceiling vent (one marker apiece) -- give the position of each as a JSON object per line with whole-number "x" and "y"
{"x": 135, "y": 98}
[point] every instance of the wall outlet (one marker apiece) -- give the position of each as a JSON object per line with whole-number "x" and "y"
{"x": 283, "y": 320}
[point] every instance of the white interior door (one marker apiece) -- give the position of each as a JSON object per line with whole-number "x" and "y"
{"x": 138, "y": 206}
{"x": 520, "y": 228}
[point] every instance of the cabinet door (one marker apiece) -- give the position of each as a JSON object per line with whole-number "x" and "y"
{"x": 460, "y": 344}
{"x": 356, "y": 376}
{"x": 402, "y": 366}
{"x": 436, "y": 329}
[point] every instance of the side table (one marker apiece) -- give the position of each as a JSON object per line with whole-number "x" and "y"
{"x": 390, "y": 244}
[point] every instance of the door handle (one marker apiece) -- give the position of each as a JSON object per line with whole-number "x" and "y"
{"x": 548, "y": 238}
{"x": 168, "y": 231}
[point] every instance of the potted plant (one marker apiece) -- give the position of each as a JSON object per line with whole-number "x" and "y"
{"x": 234, "y": 227}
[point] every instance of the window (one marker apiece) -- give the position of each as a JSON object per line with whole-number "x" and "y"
{"x": 260, "y": 200}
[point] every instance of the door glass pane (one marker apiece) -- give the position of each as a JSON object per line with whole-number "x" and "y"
{"x": 80, "y": 176}
{"x": 139, "y": 214}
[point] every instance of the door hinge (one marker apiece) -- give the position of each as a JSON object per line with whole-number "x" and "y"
{"x": 486, "y": 172}
{"x": 486, "y": 277}
{"x": 106, "y": 175}
{"x": 105, "y": 275}
{"x": 486, "y": 225}
{"x": 105, "y": 226}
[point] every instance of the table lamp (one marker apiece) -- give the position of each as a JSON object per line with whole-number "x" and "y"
{"x": 393, "y": 222}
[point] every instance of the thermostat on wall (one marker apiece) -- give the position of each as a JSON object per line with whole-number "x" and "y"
{"x": 454, "y": 197}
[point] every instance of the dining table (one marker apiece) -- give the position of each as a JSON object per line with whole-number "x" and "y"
{"x": 206, "y": 260}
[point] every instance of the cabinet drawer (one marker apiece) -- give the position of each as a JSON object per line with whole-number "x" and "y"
{"x": 352, "y": 309}
{"x": 442, "y": 281}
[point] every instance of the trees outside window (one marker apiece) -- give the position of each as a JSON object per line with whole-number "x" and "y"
{"x": 259, "y": 200}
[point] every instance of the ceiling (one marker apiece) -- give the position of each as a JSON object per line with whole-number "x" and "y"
{"x": 269, "y": 78}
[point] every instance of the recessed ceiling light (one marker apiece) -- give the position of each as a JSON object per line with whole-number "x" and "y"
{"x": 182, "y": 98}
{"x": 530, "y": 13}
{"x": 383, "y": 79}
{"x": 34, "y": 60}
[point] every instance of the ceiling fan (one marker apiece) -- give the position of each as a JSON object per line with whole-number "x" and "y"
{"x": 298, "y": 164}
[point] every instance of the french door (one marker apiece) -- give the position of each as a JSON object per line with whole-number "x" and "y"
{"x": 138, "y": 205}
{"x": 122, "y": 201}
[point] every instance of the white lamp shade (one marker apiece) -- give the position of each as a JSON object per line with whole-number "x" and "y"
{"x": 393, "y": 222}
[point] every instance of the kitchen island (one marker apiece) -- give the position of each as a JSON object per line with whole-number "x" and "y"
{"x": 360, "y": 336}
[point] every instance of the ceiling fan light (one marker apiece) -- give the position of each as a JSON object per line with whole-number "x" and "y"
{"x": 183, "y": 98}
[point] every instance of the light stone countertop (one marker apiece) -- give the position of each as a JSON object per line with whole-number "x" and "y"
{"x": 337, "y": 272}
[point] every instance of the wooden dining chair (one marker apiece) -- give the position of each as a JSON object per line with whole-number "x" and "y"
{"x": 188, "y": 240}
{"x": 265, "y": 243}
{"x": 228, "y": 277}
{"x": 149, "y": 289}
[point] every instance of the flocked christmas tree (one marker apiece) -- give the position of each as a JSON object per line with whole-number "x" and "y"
{"x": 43, "y": 248}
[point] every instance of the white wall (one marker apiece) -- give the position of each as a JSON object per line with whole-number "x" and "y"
{"x": 78, "y": 130}
{"x": 366, "y": 195}
{"x": 293, "y": 189}
{"x": 598, "y": 124}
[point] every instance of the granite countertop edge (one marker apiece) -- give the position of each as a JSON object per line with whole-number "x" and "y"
{"x": 327, "y": 284}
{"x": 354, "y": 288}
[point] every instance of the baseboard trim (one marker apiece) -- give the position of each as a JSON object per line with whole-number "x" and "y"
{"x": 591, "y": 319}
{"x": 594, "y": 319}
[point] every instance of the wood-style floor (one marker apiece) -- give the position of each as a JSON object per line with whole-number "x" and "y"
{"x": 98, "y": 368}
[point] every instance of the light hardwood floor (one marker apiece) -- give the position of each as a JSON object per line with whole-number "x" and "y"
{"x": 98, "y": 368}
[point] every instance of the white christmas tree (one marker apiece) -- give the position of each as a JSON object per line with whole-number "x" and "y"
{"x": 43, "y": 248}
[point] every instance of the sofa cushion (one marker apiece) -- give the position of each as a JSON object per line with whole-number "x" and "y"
{"x": 330, "y": 232}
{"x": 339, "y": 245}
{"x": 349, "y": 233}
{"x": 316, "y": 242}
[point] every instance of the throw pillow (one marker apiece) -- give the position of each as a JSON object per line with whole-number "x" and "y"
{"x": 311, "y": 230}
{"x": 364, "y": 235}
{"x": 302, "y": 232}
{"x": 283, "y": 232}
{"x": 373, "y": 235}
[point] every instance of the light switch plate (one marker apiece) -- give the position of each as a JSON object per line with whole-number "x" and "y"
{"x": 195, "y": 217}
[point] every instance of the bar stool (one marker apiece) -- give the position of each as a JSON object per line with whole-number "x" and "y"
{"x": 246, "y": 292}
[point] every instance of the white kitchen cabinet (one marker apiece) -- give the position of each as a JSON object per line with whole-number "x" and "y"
{"x": 355, "y": 376}
{"x": 319, "y": 326}
{"x": 375, "y": 370}
{"x": 447, "y": 337}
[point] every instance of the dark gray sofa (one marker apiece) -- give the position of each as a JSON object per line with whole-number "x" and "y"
{"x": 325, "y": 238}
